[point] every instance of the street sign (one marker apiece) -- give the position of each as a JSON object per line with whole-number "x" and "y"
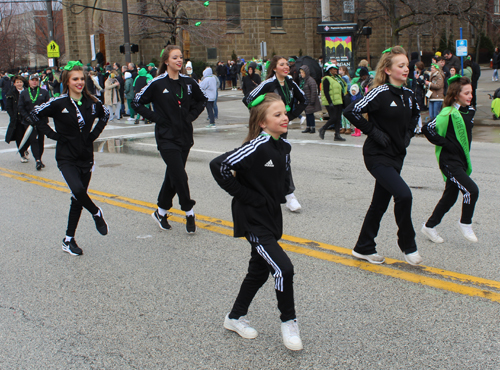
{"x": 461, "y": 48}
{"x": 53, "y": 50}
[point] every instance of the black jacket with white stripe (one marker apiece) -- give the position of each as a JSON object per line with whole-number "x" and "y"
{"x": 259, "y": 185}
{"x": 392, "y": 110}
{"x": 74, "y": 144}
{"x": 174, "y": 121}
{"x": 297, "y": 100}
{"x": 452, "y": 154}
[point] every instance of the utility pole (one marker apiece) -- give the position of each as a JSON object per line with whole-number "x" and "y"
{"x": 126, "y": 33}
{"x": 50, "y": 24}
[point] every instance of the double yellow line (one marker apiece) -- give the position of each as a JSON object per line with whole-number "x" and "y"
{"x": 425, "y": 275}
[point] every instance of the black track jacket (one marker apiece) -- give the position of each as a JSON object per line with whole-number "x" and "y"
{"x": 174, "y": 122}
{"x": 298, "y": 101}
{"x": 260, "y": 184}
{"x": 74, "y": 145}
{"x": 393, "y": 111}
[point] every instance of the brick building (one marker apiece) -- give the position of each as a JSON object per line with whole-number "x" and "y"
{"x": 236, "y": 27}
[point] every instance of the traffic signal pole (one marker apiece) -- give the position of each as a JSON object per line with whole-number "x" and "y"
{"x": 126, "y": 33}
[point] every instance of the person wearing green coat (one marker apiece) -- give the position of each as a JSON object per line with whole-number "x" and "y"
{"x": 332, "y": 91}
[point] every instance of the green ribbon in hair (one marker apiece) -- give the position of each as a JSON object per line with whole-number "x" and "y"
{"x": 388, "y": 50}
{"x": 453, "y": 79}
{"x": 257, "y": 101}
{"x": 435, "y": 65}
{"x": 71, "y": 64}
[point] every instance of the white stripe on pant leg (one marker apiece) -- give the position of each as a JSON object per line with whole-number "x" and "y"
{"x": 461, "y": 187}
{"x": 278, "y": 276}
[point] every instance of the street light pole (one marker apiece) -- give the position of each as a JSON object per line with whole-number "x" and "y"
{"x": 50, "y": 24}
{"x": 126, "y": 33}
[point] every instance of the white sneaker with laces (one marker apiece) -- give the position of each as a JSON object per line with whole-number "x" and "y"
{"x": 414, "y": 258}
{"x": 432, "y": 234}
{"x": 292, "y": 203}
{"x": 291, "y": 335}
{"x": 302, "y": 120}
{"x": 372, "y": 258}
{"x": 240, "y": 326}
{"x": 467, "y": 232}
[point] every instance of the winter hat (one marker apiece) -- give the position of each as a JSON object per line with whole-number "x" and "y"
{"x": 128, "y": 75}
{"x": 354, "y": 90}
{"x": 189, "y": 65}
{"x": 363, "y": 71}
{"x": 151, "y": 65}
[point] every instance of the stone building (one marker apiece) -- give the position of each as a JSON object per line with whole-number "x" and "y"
{"x": 233, "y": 27}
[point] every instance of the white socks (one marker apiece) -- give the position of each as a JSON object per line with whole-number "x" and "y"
{"x": 190, "y": 212}
{"x": 68, "y": 238}
{"x": 162, "y": 211}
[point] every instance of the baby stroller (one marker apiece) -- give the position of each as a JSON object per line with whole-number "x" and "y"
{"x": 495, "y": 104}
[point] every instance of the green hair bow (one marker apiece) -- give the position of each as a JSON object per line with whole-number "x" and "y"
{"x": 257, "y": 101}
{"x": 435, "y": 65}
{"x": 71, "y": 64}
{"x": 389, "y": 50}
{"x": 453, "y": 79}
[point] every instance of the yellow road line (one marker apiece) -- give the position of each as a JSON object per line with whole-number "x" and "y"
{"x": 305, "y": 247}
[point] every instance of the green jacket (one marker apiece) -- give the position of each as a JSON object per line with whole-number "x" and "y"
{"x": 335, "y": 91}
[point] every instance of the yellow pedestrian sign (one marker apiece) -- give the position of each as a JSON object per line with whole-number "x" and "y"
{"x": 53, "y": 50}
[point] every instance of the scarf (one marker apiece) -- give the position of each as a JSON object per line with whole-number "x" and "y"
{"x": 442, "y": 121}
{"x": 81, "y": 121}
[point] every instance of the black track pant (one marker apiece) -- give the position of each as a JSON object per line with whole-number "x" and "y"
{"x": 457, "y": 180}
{"x": 334, "y": 118}
{"x": 176, "y": 180}
{"x": 37, "y": 141}
{"x": 78, "y": 180}
{"x": 388, "y": 184}
{"x": 267, "y": 257}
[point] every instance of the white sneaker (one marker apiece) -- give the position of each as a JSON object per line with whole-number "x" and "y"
{"x": 414, "y": 258}
{"x": 372, "y": 258}
{"x": 432, "y": 234}
{"x": 467, "y": 232}
{"x": 292, "y": 203}
{"x": 130, "y": 119}
{"x": 24, "y": 160}
{"x": 291, "y": 335}
{"x": 240, "y": 326}
{"x": 302, "y": 120}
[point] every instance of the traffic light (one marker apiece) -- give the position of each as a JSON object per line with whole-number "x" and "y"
{"x": 206, "y": 3}
{"x": 197, "y": 24}
{"x": 134, "y": 48}
{"x": 122, "y": 49}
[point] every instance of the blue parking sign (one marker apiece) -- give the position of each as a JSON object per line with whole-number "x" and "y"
{"x": 461, "y": 46}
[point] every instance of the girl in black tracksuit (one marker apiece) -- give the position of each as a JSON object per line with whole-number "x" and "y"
{"x": 74, "y": 113}
{"x": 178, "y": 101}
{"x": 259, "y": 188}
{"x": 451, "y": 132}
{"x": 392, "y": 117}
{"x": 29, "y": 98}
{"x": 279, "y": 82}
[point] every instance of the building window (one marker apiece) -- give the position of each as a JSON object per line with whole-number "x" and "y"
{"x": 211, "y": 53}
{"x": 276, "y": 13}
{"x": 497, "y": 6}
{"x": 233, "y": 14}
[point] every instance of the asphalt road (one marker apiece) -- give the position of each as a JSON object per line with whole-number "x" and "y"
{"x": 142, "y": 298}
